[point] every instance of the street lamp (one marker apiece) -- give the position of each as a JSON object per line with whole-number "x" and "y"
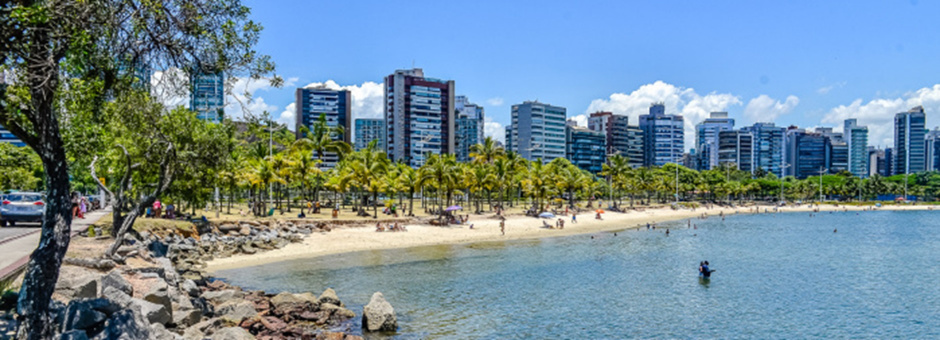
{"x": 821, "y": 172}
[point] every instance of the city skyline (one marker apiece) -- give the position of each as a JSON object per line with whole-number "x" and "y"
{"x": 821, "y": 70}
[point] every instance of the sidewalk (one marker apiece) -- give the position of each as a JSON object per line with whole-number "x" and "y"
{"x": 16, "y": 250}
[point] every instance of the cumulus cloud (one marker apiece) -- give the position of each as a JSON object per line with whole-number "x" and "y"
{"x": 289, "y": 116}
{"x": 495, "y": 101}
{"x": 878, "y": 113}
{"x": 494, "y": 129}
{"x": 766, "y": 109}
{"x": 581, "y": 120}
{"x": 171, "y": 87}
{"x": 694, "y": 107}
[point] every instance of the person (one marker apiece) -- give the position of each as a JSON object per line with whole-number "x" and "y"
{"x": 471, "y": 226}
{"x": 74, "y": 204}
{"x": 82, "y": 207}
{"x": 705, "y": 271}
{"x": 667, "y": 232}
{"x": 309, "y": 207}
{"x": 598, "y": 216}
{"x": 157, "y": 207}
{"x": 561, "y": 223}
{"x": 300, "y": 215}
{"x": 502, "y": 226}
{"x": 574, "y": 218}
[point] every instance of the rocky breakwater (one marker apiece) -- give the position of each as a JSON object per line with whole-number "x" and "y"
{"x": 158, "y": 290}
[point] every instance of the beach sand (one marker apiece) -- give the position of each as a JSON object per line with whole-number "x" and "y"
{"x": 353, "y": 239}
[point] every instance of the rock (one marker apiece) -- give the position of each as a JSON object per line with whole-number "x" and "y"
{"x": 225, "y": 228}
{"x": 74, "y": 335}
{"x": 158, "y": 294}
{"x": 273, "y": 324}
{"x": 223, "y": 295}
{"x": 331, "y": 336}
{"x": 353, "y": 337}
{"x": 204, "y": 306}
{"x": 157, "y": 249}
{"x": 343, "y": 314}
{"x": 245, "y": 230}
{"x": 247, "y": 249}
{"x": 329, "y": 296}
{"x": 189, "y": 287}
{"x": 85, "y": 314}
{"x": 378, "y": 315}
{"x": 76, "y": 283}
{"x": 125, "y": 324}
{"x": 154, "y": 313}
{"x": 186, "y": 317}
{"x": 232, "y": 333}
{"x": 169, "y": 272}
{"x": 159, "y": 332}
{"x": 236, "y": 310}
{"x": 285, "y": 301}
{"x": 116, "y": 280}
{"x": 119, "y": 297}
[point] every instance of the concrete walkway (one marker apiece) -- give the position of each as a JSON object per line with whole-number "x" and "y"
{"x": 15, "y": 250}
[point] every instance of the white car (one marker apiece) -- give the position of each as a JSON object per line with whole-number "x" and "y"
{"x": 21, "y": 207}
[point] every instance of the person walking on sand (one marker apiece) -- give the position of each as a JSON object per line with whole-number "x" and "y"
{"x": 502, "y": 227}
{"x": 574, "y": 218}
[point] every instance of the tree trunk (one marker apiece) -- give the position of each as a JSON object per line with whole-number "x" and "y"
{"x": 375, "y": 207}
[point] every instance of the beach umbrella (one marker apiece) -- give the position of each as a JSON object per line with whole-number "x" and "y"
{"x": 453, "y": 208}
{"x": 600, "y": 211}
{"x": 546, "y": 215}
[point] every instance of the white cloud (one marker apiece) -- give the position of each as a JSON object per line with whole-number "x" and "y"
{"x": 170, "y": 87}
{"x": 878, "y": 114}
{"x": 494, "y": 129}
{"x": 825, "y": 89}
{"x": 244, "y": 100}
{"x": 581, "y": 120}
{"x": 289, "y": 115}
{"x": 678, "y": 100}
{"x": 766, "y": 109}
{"x": 495, "y": 101}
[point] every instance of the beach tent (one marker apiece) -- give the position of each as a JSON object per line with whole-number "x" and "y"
{"x": 453, "y": 208}
{"x": 547, "y": 215}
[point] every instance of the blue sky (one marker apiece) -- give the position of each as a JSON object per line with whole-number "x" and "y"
{"x": 805, "y": 63}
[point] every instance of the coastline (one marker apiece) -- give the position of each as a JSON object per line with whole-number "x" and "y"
{"x": 485, "y": 229}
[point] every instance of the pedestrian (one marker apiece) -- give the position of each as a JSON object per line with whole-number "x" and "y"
{"x": 502, "y": 227}
{"x": 82, "y": 208}
{"x": 574, "y": 218}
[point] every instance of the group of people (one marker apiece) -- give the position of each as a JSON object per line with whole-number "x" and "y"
{"x": 703, "y": 270}
{"x": 391, "y": 227}
{"x": 157, "y": 210}
{"x": 79, "y": 205}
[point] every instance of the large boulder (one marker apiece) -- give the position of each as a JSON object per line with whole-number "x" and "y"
{"x": 378, "y": 315}
{"x": 186, "y": 317}
{"x": 73, "y": 335}
{"x": 116, "y": 280}
{"x": 76, "y": 283}
{"x": 223, "y": 296}
{"x": 190, "y": 287}
{"x": 236, "y": 310}
{"x": 153, "y": 312}
{"x": 329, "y": 296}
{"x": 87, "y": 314}
{"x": 125, "y": 324}
{"x": 232, "y": 333}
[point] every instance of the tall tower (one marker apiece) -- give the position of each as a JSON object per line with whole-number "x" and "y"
{"x": 663, "y": 136}
{"x": 419, "y": 116}
{"x": 909, "y": 141}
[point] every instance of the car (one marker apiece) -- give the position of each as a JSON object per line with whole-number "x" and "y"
{"x": 22, "y": 207}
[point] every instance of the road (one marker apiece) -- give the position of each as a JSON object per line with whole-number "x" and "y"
{"x": 15, "y": 251}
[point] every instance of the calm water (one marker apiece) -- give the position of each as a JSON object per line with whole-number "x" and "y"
{"x": 778, "y": 276}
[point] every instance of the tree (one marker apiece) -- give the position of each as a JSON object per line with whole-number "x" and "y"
{"x": 368, "y": 166}
{"x": 486, "y": 152}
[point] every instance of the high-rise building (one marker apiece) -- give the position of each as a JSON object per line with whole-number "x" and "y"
{"x": 508, "y": 137}
{"x": 736, "y": 147}
{"x": 585, "y": 147}
{"x": 663, "y": 136}
{"x": 7, "y": 137}
{"x": 889, "y": 163}
{"x": 933, "y": 150}
{"x": 768, "y": 147}
{"x": 334, "y": 105}
{"x": 806, "y": 153}
{"x": 538, "y": 131}
{"x": 622, "y": 138}
{"x": 837, "y": 156}
{"x": 909, "y": 141}
{"x": 368, "y": 130}
{"x": 706, "y": 138}
{"x": 856, "y": 137}
{"x": 469, "y": 127}
{"x": 419, "y": 116}
{"x": 207, "y": 95}
{"x": 876, "y": 161}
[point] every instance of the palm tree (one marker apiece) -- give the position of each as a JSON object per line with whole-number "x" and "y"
{"x": 539, "y": 183}
{"x": 368, "y": 167}
{"x": 322, "y": 139}
{"x": 616, "y": 168}
{"x": 441, "y": 172}
{"x": 486, "y": 152}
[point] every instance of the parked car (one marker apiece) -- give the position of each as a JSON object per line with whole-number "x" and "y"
{"x": 21, "y": 207}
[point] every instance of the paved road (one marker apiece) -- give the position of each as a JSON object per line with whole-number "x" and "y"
{"x": 15, "y": 253}
{"x": 11, "y": 232}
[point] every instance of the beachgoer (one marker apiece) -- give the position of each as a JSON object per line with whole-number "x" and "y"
{"x": 471, "y": 226}
{"x": 705, "y": 271}
{"x": 561, "y": 223}
{"x": 667, "y": 232}
{"x": 502, "y": 227}
{"x": 574, "y": 218}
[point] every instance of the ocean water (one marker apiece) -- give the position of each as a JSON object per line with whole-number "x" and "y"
{"x": 778, "y": 276}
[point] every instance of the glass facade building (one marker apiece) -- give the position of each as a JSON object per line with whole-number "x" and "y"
{"x": 663, "y": 136}
{"x": 807, "y": 153}
{"x": 469, "y": 127}
{"x": 335, "y": 105}
{"x": 368, "y": 130}
{"x": 419, "y": 116}
{"x": 736, "y": 147}
{"x": 768, "y": 147}
{"x": 538, "y": 131}
{"x": 585, "y": 148}
{"x": 909, "y": 142}
{"x": 7, "y": 137}
{"x": 622, "y": 138}
{"x": 706, "y": 139}
{"x": 207, "y": 95}
{"x": 856, "y": 138}
{"x": 933, "y": 150}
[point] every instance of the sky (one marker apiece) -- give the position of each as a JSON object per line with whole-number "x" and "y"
{"x": 803, "y": 63}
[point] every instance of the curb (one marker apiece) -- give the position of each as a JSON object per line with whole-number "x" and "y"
{"x": 17, "y": 237}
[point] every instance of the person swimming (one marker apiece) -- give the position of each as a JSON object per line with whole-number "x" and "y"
{"x": 704, "y": 271}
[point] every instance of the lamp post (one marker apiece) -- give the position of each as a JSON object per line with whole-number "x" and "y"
{"x": 821, "y": 172}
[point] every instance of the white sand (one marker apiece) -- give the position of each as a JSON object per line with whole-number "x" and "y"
{"x": 345, "y": 240}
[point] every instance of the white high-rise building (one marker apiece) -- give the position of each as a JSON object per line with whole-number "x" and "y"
{"x": 419, "y": 116}
{"x": 538, "y": 131}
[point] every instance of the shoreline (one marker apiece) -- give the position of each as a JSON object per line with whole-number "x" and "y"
{"x": 486, "y": 229}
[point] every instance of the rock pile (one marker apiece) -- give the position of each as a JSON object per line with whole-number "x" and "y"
{"x": 171, "y": 297}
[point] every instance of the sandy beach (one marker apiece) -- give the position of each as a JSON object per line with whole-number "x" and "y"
{"x": 353, "y": 239}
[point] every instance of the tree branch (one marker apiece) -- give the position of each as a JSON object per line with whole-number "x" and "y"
{"x": 94, "y": 176}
